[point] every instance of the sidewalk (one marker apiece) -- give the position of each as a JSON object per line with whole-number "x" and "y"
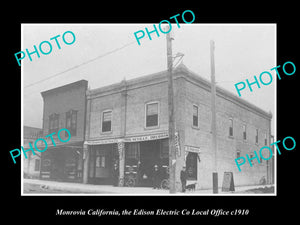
{"x": 32, "y": 186}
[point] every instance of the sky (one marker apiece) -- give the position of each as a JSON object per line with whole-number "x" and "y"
{"x": 242, "y": 51}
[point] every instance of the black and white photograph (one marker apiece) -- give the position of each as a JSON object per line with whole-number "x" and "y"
{"x": 171, "y": 115}
{"x": 130, "y": 131}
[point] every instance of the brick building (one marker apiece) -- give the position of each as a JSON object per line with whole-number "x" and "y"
{"x": 127, "y": 127}
{"x": 64, "y": 107}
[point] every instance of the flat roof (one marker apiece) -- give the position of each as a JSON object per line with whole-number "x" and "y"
{"x": 65, "y": 87}
{"x": 180, "y": 71}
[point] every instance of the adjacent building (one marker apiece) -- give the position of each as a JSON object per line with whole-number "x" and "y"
{"x": 64, "y": 107}
{"x": 31, "y": 164}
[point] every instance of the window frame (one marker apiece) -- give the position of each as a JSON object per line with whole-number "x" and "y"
{"x": 53, "y": 123}
{"x": 102, "y": 120}
{"x": 158, "y": 115}
{"x": 69, "y": 115}
{"x": 37, "y": 165}
{"x": 266, "y": 139}
{"x": 256, "y": 136}
{"x": 195, "y": 126}
{"x": 230, "y": 134}
{"x": 244, "y": 132}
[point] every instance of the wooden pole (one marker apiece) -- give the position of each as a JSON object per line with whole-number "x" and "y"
{"x": 213, "y": 121}
{"x": 172, "y": 153}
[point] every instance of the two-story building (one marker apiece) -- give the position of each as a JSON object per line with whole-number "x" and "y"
{"x": 64, "y": 107}
{"x": 127, "y": 124}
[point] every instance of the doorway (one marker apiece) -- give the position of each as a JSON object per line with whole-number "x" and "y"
{"x": 149, "y": 156}
{"x": 191, "y": 165}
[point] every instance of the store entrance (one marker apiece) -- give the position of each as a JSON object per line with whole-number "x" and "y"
{"x": 149, "y": 156}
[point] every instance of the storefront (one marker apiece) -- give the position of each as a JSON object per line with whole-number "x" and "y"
{"x": 192, "y": 158}
{"x": 102, "y": 160}
{"x": 141, "y": 157}
{"x": 62, "y": 163}
{"x": 135, "y": 158}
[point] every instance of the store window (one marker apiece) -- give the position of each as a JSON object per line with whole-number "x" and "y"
{"x": 100, "y": 161}
{"x": 132, "y": 150}
{"x": 37, "y": 164}
{"x": 164, "y": 148}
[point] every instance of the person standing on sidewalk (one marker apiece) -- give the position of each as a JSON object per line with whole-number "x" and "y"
{"x": 115, "y": 174}
{"x": 183, "y": 178}
{"x": 156, "y": 177}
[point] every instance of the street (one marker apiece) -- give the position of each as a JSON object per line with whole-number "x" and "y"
{"x": 32, "y": 186}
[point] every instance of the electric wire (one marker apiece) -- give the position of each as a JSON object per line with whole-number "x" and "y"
{"x": 81, "y": 64}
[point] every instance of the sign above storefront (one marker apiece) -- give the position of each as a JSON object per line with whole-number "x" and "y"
{"x": 147, "y": 137}
{"x": 188, "y": 148}
{"x": 128, "y": 139}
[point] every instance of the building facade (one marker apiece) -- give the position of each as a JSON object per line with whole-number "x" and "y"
{"x": 31, "y": 164}
{"x": 127, "y": 132}
{"x": 64, "y": 107}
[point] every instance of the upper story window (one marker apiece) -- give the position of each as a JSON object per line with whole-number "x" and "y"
{"x": 106, "y": 121}
{"x": 238, "y": 154}
{"x": 71, "y": 121}
{"x": 256, "y": 137}
{"x": 53, "y": 123}
{"x": 195, "y": 116}
{"x": 231, "y": 127}
{"x": 244, "y": 132}
{"x": 152, "y": 114}
{"x": 266, "y": 139}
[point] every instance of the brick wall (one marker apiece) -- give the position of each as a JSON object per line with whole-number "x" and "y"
{"x": 227, "y": 146}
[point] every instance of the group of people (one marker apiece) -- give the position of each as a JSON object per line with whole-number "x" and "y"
{"x": 156, "y": 176}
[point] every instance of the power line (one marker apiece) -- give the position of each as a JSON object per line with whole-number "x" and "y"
{"x": 84, "y": 63}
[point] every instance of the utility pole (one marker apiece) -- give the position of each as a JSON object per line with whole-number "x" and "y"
{"x": 172, "y": 153}
{"x": 213, "y": 120}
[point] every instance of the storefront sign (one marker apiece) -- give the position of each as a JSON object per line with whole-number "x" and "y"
{"x": 147, "y": 138}
{"x": 129, "y": 139}
{"x": 191, "y": 149}
{"x": 102, "y": 142}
